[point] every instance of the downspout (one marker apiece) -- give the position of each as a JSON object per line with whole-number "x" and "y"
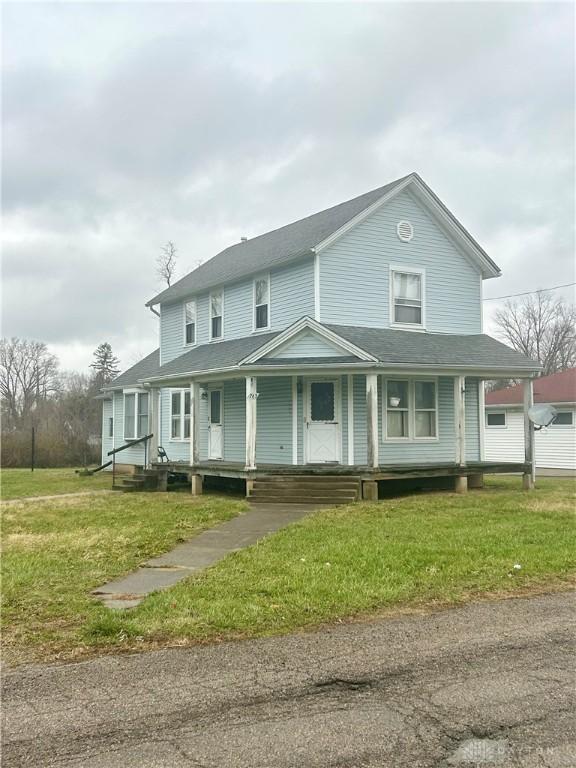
{"x": 153, "y": 310}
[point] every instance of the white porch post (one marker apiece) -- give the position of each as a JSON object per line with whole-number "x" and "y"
{"x": 154, "y": 423}
{"x": 460, "y": 419}
{"x": 194, "y": 423}
{"x": 251, "y": 398}
{"x": 372, "y": 418}
{"x": 529, "y": 477}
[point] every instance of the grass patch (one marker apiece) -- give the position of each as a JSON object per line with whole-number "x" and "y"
{"x": 19, "y": 483}
{"x": 423, "y": 549}
{"x": 55, "y": 552}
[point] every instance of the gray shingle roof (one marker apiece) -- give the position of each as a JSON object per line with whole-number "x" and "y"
{"x": 145, "y": 367}
{"x": 272, "y": 248}
{"x": 386, "y": 345}
{"x": 209, "y": 357}
{"x": 442, "y": 349}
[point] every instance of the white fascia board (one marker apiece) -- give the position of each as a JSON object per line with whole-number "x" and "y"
{"x": 439, "y": 212}
{"x": 411, "y": 369}
{"x": 307, "y": 323}
{"x": 450, "y": 223}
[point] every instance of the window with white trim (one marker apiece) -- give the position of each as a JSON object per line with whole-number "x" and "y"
{"x": 495, "y": 418}
{"x": 190, "y": 322}
{"x": 261, "y": 303}
{"x": 397, "y": 408}
{"x": 180, "y": 414}
{"x": 407, "y": 301}
{"x": 424, "y": 409}
{"x": 135, "y": 415}
{"x": 563, "y": 419}
{"x": 216, "y": 314}
{"x": 410, "y": 409}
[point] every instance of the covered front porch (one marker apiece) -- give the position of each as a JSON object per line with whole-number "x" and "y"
{"x": 330, "y": 423}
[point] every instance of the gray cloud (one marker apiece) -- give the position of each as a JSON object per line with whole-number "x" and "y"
{"x": 128, "y": 125}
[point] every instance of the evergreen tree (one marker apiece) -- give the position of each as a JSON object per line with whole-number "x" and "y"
{"x": 105, "y": 365}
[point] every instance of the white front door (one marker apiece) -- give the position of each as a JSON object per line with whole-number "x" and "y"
{"x": 322, "y": 425}
{"x": 215, "y": 424}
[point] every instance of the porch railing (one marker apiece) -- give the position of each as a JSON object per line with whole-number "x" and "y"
{"x": 130, "y": 444}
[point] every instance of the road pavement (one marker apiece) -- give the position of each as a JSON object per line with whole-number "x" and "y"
{"x": 486, "y": 684}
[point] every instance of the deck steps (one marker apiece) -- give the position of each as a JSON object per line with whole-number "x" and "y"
{"x": 305, "y": 489}
{"x": 141, "y": 480}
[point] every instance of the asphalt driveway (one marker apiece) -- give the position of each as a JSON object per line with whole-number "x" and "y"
{"x": 486, "y": 684}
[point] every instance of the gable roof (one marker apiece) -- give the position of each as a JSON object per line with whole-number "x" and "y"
{"x": 556, "y": 388}
{"x": 300, "y": 238}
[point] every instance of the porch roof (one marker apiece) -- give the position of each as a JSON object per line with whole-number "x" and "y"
{"x": 396, "y": 347}
{"x": 387, "y": 347}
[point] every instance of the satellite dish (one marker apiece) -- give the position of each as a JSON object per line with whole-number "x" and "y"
{"x": 542, "y": 415}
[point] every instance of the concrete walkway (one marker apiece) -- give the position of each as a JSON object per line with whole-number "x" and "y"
{"x": 199, "y": 553}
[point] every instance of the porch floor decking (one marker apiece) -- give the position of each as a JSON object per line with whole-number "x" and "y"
{"x": 383, "y": 472}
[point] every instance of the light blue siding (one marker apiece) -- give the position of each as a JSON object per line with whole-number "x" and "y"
{"x": 274, "y": 420}
{"x": 291, "y": 297}
{"x": 177, "y": 450}
{"x": 107, "y": 441}
{"x": 354, "y": 272}
{"x": 472, "y": 420}
{"x": 292, "y": 294}
{"x": 171, "y": 332}
{"x": 301, "y": 425}
{"x": 308, "y": 344}
{"x": 132, "y": 455}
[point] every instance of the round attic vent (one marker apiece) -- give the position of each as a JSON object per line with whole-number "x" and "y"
{"x": 405, "y": 231}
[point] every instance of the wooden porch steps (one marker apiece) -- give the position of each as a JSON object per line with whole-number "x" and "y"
{"x": 305, "y": 489}
{"x": 141, "y": 480}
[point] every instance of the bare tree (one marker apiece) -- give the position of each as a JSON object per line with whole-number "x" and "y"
{"x": 166, "y": 263}
{"x": 28, "y": 375}
{"x": 542, "y": 328}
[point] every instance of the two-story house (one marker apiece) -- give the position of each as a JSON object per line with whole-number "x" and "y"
{"x": 348, "y": 343}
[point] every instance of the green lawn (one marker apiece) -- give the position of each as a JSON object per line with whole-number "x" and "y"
{"x": 55, "y": 552}
{"x": 18, "y": 483}
{"x": 425, "y": 549}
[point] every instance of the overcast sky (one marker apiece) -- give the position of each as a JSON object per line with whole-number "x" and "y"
{"x": 127, "y": 125}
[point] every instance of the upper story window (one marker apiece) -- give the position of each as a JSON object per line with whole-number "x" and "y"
{"x": 407, "y": 297}
{"x": 135, "y": 415}
{"x": 216, "y": 315}
{"x": 180, "y": 414}
{"x": 262, "y": 303}
{"x": 190, "y": 322}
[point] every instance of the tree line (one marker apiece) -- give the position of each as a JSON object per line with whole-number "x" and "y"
{"x": 62, "y": 407}
{"x": 59, "y": 405}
